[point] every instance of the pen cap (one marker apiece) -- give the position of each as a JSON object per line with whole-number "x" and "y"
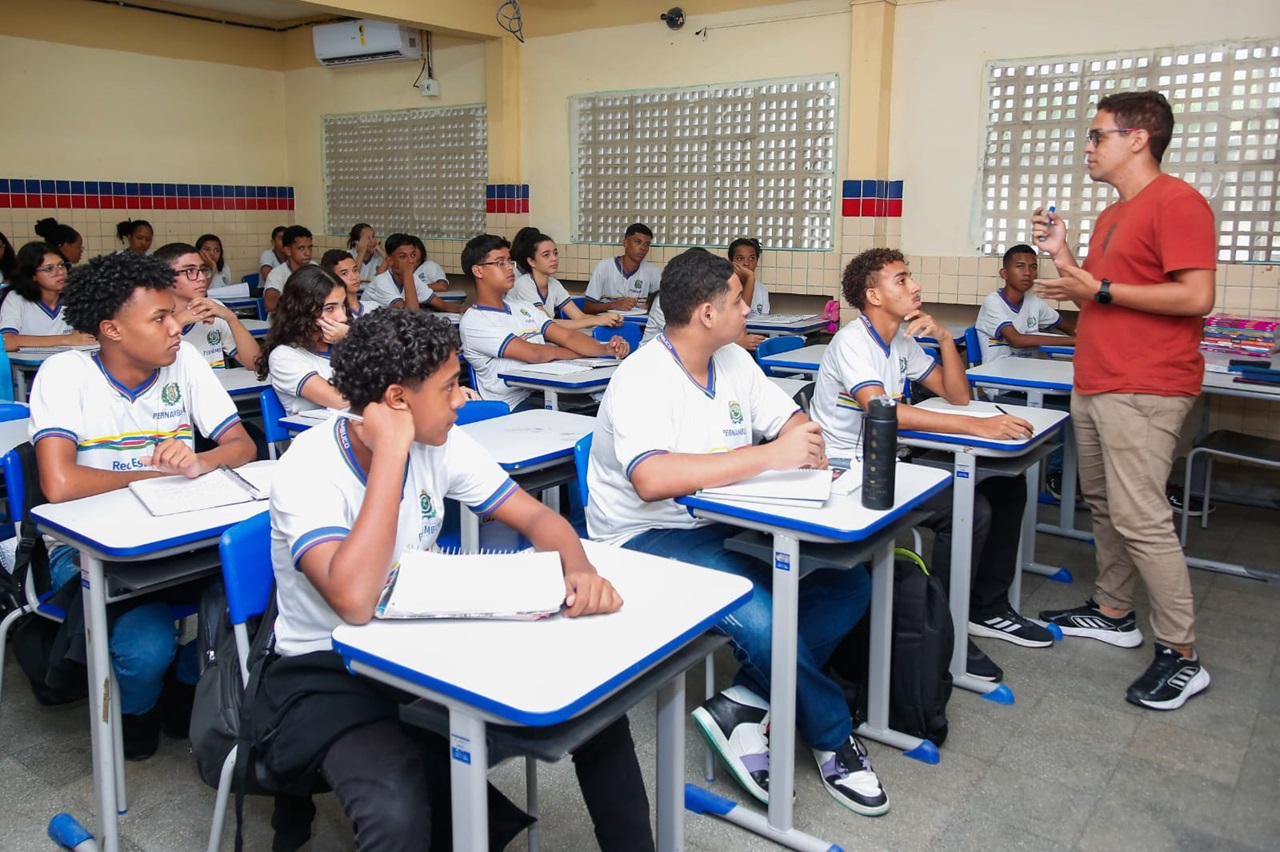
{"x": 879, "y": 453}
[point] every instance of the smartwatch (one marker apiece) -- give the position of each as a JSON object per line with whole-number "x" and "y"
{"x": 1103, "y": 296}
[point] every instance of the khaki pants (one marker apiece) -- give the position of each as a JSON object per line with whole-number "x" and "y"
{"x": 1127, "y": 443}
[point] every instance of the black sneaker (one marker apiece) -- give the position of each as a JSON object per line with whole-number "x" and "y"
{"x": 1053, "y": 484}
{"x": 1169, "y": 681}
{"x": 1179, "y": 502}
{"x": 1012, "y": 627}
{"x": 1089, "y": 621}
{"x": 736, "y": 724}
{"x": 141, "y": 734}
{"x": 979, "y": 665}
{"x": 849, "y": 778}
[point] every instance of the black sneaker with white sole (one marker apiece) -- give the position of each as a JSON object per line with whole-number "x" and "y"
{"x": 736, "y": 724}
{"x": 849, "y": 778}
{"x": 1090, "y": 622}
{"x": 1011, "y": 627}
{"x": 1169, "y": 681}
{"x": 980, "y": 666}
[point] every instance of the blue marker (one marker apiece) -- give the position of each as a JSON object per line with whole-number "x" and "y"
{"x": 1052, "y": 210}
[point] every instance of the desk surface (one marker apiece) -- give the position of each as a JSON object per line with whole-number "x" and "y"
{"x": 451, "y": 295}
{"x": 12, "y": 433}
{"x": 544, "y": 672}
{"x": 790, "y": 387}
{"x": 806, "y": 358}
{"x": 117, "y": 526}
{"x": 1039, "y": 373}
{"x": 527, "y": 438}
{"x": 237, "y": 381}
{"x": 257, "y": 327}
{"x": 1044, "y": 422}
{"x": 776, "y": 324}
{"x": 588, "y": 379}
{"x": 34, "y": 356}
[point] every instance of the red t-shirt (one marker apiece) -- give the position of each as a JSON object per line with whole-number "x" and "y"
{"x": 1166, "y": 227}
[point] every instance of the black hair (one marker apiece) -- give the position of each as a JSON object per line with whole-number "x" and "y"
{"x": 744, "y": 241}
{"x": 478, "y": 248}
{"x": 1021, "y": 248}
{"x": 1148, "y": 111}
{"x": 8, "y": 258}
{"x": 98, "y": 290}
{"x": 692, "y": 278}
{"x": 301, "y": 303}
{"x": 390, "y": 346}
{"x": 861, "y": 271}
{"x": 30, "y": 258}
{"x": 397, "y": 241}
{"x": 278, "y": 229}
{"x": 55, "y": 233}
{"x": 212, "y": 238}
{"x": 354, "y": 236}
{"x": 125, "y": 229}
{"x": 170, "y": 252}
{"x": 333, "y": 257}
{"x": 638, "y": 228}
{"x": 421, "y": 247}
{"x": 293, "y": 233}
{"x": 525, "y": 247}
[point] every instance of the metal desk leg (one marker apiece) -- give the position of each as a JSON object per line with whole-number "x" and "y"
{"x": 962, "y": 491}
{"x": 782, "y": 699}
{"x": 1027, "y": 544}
{"x": 102, "y": 700}
{"x": 1066, "y": 527}
{"x": 550, "y": 400}
{"x": 19, "y": 384}
{"x": 468, "y": 777}
{"x": 670, "y": 781}
{"x": 469, "y": 532}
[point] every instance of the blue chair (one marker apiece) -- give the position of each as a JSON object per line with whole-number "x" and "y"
{"x": 972, "y": 346}
{"x": 578, "y": 302}
{"x": 581, "y": 456}
{"x": 6, "y": 386}
{"x": 272, "y": 410}
{"x": 629, "y": 331}
{"x": 774, "y": 345}
{"x": 252, "y": 279}
{"x": 476, "y": 410}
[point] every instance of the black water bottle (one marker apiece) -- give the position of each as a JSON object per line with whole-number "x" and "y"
{"x": 879, "y": 452}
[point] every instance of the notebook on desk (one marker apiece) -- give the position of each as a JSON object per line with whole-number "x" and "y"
{"x": 174, "y": 495}
{"x": 778, "y": 488}
{"x": 54, "y": 350}
{"x": 424, "y": 584}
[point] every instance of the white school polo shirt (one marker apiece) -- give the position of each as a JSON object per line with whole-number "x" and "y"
{"x": 268, "y": 259}
{"x": 486, "y": 333}
{"x": 279, "y": 275}
{"x": 213, "y": 341}
{"x": 221, "y": 277}
{"x": 526, "y": 290}
{"x": 112, "y": 425}
{"x": 368, "y": 269}
{"x": 19, "y": 316}
{"x": 366, "y": 307}
{"x": 653, "y": 406}
{"x": 386, "y": 290}
{"x": 1033, "y": 316}
{"x": 857, "y": 358}
{"x": 760, "y": 299}
{"x": 608, "y": 282}
{"x": 428, "y": 273}
{"x": 657, "y": 320}
{"x": 316, "y": 496}
{"x": 289, "y": 368}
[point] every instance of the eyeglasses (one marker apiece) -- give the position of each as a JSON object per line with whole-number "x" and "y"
{"x": 194, "y": 273}
{"x": 1095, "y": 136}
{"x": 505, "y": 263}
{"x": 53, "y": 267}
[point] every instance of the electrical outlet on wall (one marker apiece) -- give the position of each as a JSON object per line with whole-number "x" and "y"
{"x": 430, "y": 88}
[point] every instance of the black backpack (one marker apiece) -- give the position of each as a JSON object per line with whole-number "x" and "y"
{"x": 923, "y": 639}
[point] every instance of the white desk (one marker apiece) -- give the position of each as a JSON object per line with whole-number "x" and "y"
{"x": 257, "y": 327}
{"x": 842, "y": 519}
{"x": 540, "y": 673}
{"x": 966, "y": 451}
{"x": 776, "y": 325}
{"x": 804, "y": 360}
{"x": 12, "y": 433}
{"x": 239, "y": 382}
{"x": 639, "y": 316}
{"x": 790, "y": 387}
{"x": 115, "y": 526}
{"x": 451, "y": 295}
{"x": 582, "y": 382}
{"x": 26, "y": 362}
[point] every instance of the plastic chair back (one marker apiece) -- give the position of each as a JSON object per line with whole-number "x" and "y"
{"x": 245, "y": 550}
{"x": 252, "y": 279}
{"x": 272, "y": 411}
{"x": 972, "y": 346}
{"x": 15, "y": 486}
{"x": 581, "y": 456}
{"x": 578, "y": 302}
{"x": 628, "y": 331}
{"x": 774, "y": 345}
{"x": 6, "y": 386}
{"x": 476, "y": 410}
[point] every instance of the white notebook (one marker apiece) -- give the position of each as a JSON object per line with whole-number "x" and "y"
{"x": 173, "y": 495}
{"x": 778, "y": 487}
{"x": 424, "y": 584}
{"x": 54, "y": 350}
{"x": 554, "y": 368}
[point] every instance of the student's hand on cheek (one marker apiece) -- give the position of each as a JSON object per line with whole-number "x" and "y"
{"x": 387, "y": 428}
{"x": 587, "y": 593}
{"x": 174, "y": 457}
{"x": 470, "y": 394}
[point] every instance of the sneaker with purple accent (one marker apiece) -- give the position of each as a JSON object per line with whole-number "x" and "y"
{"x": 736, "y": 724}
{"x": 849, "y": 778}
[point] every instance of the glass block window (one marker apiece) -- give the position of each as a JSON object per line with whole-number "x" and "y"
{"x": 1226, "y": 102}
{"x": 707, "y": 164}
{"x": 415, "y": 171}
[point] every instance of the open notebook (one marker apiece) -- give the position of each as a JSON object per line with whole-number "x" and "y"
{"x": 778, "y": 487}
{"x": 54, "y": 350}
{"x": 424, "y": 584}
{"x": 173, "y": 495}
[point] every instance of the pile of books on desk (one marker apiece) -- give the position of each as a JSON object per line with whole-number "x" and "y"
{"x": 1241, "y": 335}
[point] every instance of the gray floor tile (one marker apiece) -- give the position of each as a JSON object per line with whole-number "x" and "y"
{"x": 1173, "y": 749}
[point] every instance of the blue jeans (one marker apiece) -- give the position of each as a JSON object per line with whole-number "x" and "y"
{"x": 142, "y": 643}
{"x": 831, "y": 603}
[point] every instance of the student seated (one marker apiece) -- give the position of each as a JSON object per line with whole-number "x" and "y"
{"x": 428, "y": 272}
{"x": 311, "y": 317}
{"x": 744, "y": 254}
{"x": 498, "y": 335}
{"x": 537, "y": 260}
{"x": 207, "y": 324}
{"x": 100, "y": 420}
{"x": 273, "y": 255}
{"x": 859, "y": 364}
{"x": 8, "y": 261}
{"x": 349, "y": 498}
{"x": 136, "y": 234}
{"x": 210, "y": 248}
{"x": 669, "y": 417}
{"x": 1013, "y": 319}
{"x": 65, "y": 239}
{"x": 362, "y": 245}
{"x": 32, "y": 313}
{"x": 658, "y": 321}
{"x": 388, "y": 289}
{"x": 296, "y": 244}
{"x": 345, "y": 269}
{"x": 626, "y": 281}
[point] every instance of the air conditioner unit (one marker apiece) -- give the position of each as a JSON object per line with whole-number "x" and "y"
{"x": 354, "y": 42}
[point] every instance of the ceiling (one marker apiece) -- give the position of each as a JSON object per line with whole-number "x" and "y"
{"x": 263, "y": 10}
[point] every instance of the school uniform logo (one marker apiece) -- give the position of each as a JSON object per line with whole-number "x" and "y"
{"x": 214, "y": 337}
{"x": 170, "y": 394}
{"x": 524, "y": 312}
{"x": 735, "y": 412}
{"x": 902, "y": 364}
{"x": 428, "y": 508}
{"x": 431, "y": 520}
{"x": 1033, "y": 323}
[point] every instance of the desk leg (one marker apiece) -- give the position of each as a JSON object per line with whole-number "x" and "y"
{"x": 469, "y": 533}
{"x": 19, "y": 384}
{"x": 1027, "y": 544}
{"x": 1066, "y": 527}
{"x": 102, "y": 700}
{"x": 670, "y": 781}
{"x": 468, "y": 776}
{"x": 550, "y": 400}
{"x": 782, "y": 698}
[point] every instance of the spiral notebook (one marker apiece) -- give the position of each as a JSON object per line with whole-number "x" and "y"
{"x": 174, "y": 495}
{"x": 425, "y": 584}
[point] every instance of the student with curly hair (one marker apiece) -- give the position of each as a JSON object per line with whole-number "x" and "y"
{"x": 136, "y": 234}
{"x": 100, "y": 420}
{"x": 310, "y": 317}
{"x": 32, "y": 314}
{"x": 66, "y": 239}
{"x": 346, "y": 504}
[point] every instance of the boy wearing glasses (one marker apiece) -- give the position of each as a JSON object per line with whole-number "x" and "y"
{"x": 207, "y": 324}
{"x": 498, "y": 335}
{"x": 875, "y": 355}
{"x": 1142, "y": 291}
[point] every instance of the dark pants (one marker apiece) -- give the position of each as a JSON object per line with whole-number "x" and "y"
{"x": 998, "y": 502}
